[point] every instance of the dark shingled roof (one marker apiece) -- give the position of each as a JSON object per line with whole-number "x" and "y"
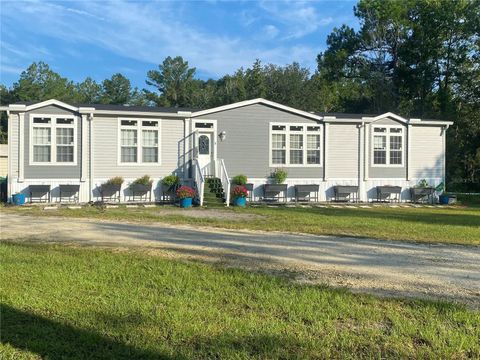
{"x": 122, "y": 107}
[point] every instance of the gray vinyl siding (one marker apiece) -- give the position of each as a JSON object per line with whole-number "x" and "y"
{"x": 399, "y": 172}
{"x": 427, "y": 157}
{"x": 106, "y": 150}
{"x": 56, "y": 171}
{"x": 246, "y": 147}
{"x": 342, "y": 154}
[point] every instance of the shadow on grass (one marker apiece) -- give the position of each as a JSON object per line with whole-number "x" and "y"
{"x": 54, "y": 340}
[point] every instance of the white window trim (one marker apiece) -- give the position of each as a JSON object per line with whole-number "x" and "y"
{"x": 139, "y": 129}
{"x": 287, "y": 133}
{"x": 53, "y": 138}
{"x": 387, "y": 134}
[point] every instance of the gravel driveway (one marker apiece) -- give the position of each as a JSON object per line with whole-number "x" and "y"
{"x": 389, "y": 268}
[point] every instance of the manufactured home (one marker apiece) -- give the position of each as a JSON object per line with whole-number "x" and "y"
{"x": 54, "y": 144}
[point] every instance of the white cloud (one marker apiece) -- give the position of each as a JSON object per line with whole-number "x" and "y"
{"x": 299, "y": 18}
{"x": 150, "y": 31}
{"x": 270, "y": 31}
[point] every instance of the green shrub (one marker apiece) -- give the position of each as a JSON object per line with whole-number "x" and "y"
{"x": 279, "y": 175}
{"x": 117, "y": 180}
{"x": 422, "y": 184}
{"x": 171, "y": 180}
{"x": 239, "y": 179}
{"x": 144, "y": 180}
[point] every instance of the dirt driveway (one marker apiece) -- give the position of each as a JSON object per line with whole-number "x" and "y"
{"x": 389, "y": 268}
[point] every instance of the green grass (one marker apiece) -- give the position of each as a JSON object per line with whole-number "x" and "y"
{"x": 67, "y": 302}
{"x": 469, "y": 200}
{"x": 459, "y": 225}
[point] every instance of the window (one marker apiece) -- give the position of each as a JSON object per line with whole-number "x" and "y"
{"x": 129, "y": 146}
{"x": 53, "y": 140}
{"x": 42, "y": 144}
{"x": 295, "y": 145}
{"x": 278, "y": 149}
{"x": 139, "y": 141}
{"x": 387, "y": 146}
{"x": 296, "y": 149}
{"x": 203, "y": 145}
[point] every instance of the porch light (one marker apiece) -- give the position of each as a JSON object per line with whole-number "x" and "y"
{"x": 222, "y": 135}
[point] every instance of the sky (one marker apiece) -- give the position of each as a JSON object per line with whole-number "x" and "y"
{"x": 99, "y": 38}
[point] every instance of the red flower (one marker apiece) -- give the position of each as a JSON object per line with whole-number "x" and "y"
{"x": 239, "y": 191}
{"x": 185, "y": 192}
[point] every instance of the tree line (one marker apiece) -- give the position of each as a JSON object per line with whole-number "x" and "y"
{"x": 417, "y": 58}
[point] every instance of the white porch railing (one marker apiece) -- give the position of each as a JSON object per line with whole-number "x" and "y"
{"x": 199, "y": 181}
{"x": 225, "y": 181}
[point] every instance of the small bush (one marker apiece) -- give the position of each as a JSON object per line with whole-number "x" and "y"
{"x": 279, "y": 175}
{"x": 422, "y": 184}
{"x": 185, "y": 192}
{"x": 171, "y": 180}
{"x": 239, "y": 191}
{"x": 239, "y": 179}
{"x": 144, "y": 180}
{"x": 117, "y": 180}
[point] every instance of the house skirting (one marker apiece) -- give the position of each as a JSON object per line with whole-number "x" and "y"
{"x": 367, "y": 188}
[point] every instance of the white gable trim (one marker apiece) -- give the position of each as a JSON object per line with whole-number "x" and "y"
{"x": 258, "y": 101}
{"x": 51, "y": 102}
{"x": 390, "y": 115}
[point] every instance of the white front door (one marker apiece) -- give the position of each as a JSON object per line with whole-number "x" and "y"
{"x": 205, "y": 152}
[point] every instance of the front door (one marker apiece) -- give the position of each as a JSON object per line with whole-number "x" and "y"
{"x": 205, "y": 152}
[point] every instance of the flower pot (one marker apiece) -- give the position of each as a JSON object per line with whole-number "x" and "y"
{"x": 110, "y": 189}
{"x": 186, "y": 203}
{"x": 447, "y": 199}
{"x": 240, "y": 201}
{"x": 18, "y": 199}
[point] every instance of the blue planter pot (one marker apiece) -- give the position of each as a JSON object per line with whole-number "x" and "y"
{"x": 447, "y": 199}
{"x": 241, "y": 201}
{"x": 18, "y": 199}
{"x": 186, "y": 203}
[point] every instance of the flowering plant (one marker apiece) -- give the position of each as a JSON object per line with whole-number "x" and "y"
{"x": 239, "y": 191}
{"x": 185, "y": 192}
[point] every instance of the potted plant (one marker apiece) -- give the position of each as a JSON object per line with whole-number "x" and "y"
{"x": 279, "y": 175}
{"x": 185, "y": 194}
{"x": 273, "y": 191}
{"x": 239, "y": 180}
{"x": 110, "y": 187}
{"x": 242, "y": 180}
{"x": 239, "y": 194}
{"x": 171, "y": 183}
{"x": 142, "y": 184}
{"x": 141, "y": 188}
{"x": 421, "y": 190}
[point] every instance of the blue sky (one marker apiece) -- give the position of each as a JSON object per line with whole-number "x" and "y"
{"x": 99, "y": 38}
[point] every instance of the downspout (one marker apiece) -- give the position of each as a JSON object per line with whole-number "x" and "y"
{"x": 444, "y": 172}
{"x": 9, "y": 159}
{"x": 361, "y": 157}
{"x": 90, "y": 156}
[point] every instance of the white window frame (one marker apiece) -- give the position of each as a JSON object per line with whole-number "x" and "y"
{"x": 53, "y": 138}
{"x": 388, "y": 135}
{"x": 289, "y": 132}
{"x": 139, "y": 129}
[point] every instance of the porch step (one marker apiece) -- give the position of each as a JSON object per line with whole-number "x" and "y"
{"x": 213, "y": 195}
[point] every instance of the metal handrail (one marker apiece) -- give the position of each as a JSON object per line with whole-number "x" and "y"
{"x": 225, "y": 181}
{"x": 199, "y": 181}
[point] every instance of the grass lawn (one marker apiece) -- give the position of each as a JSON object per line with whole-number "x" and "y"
{"x": 458, "y": 225}
{"x": 70, "y": 302}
